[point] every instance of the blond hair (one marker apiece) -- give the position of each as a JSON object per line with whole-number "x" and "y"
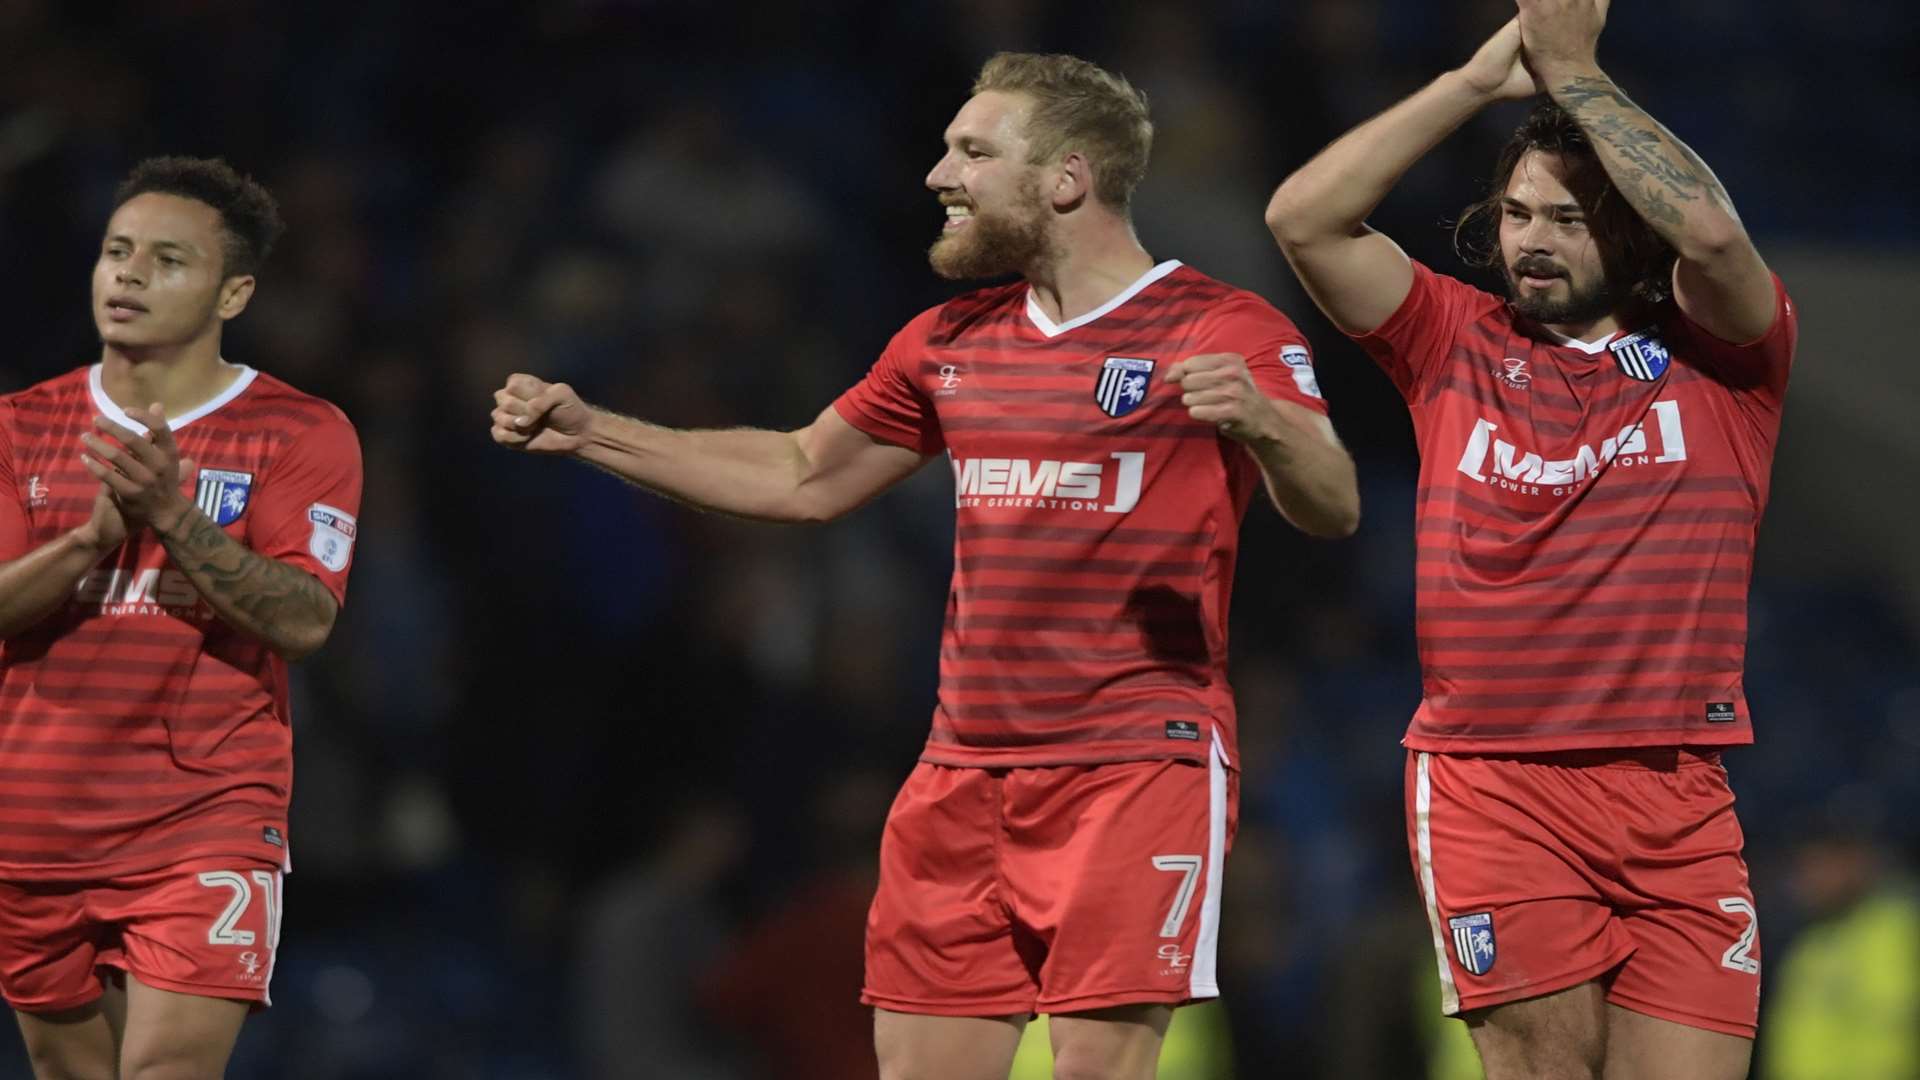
{"x": 1079, "y": 106}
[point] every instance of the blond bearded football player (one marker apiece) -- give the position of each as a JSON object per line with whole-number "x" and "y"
{"x": 1595, "y": 448}
{"x": 1107, "y": 419}
{"x": 174, "y": 528}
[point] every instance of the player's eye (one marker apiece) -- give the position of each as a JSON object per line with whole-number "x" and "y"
{"x": 172, "y": 260}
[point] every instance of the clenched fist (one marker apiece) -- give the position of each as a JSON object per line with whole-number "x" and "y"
{"x": 540, "y": 417}
{"x": 1218, "y": 389}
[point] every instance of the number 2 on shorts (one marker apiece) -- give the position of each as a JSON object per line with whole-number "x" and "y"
{"x": 1189, "y": 867}
{"x": 1740, "y": 956}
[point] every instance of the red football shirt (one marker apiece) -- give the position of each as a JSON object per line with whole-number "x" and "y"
{"x": 1585, "y": 521}
{"x": 136, "y": 728}
{"x": 1097, "y": 522}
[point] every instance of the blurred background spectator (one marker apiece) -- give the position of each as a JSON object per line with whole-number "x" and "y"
{"x": 589, "y": 786}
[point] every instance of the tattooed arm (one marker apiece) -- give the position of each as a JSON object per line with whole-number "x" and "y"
{"x": 280, "y": 604}
{"x": 1720, "y": 280}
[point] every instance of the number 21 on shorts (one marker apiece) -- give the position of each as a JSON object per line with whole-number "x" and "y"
{"x": 226, "y": 928}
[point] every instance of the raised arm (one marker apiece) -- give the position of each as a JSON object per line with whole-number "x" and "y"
{"x": 814, "y": 474}
{"x": 1719, "y": 280}
{"x": 1358, "y": 276}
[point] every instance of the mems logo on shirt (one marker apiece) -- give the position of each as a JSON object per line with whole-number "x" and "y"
{"x": 1087, "y": 486}
{"x": 141, "y": 592}
{"x": 1496, "y": 462}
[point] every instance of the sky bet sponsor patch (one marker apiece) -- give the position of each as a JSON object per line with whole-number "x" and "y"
{"x": 333, "y": 533}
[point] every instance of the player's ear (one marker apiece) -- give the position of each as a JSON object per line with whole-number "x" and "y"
{"x": 1072, "y": 181}
{"x": 234, "y": 294}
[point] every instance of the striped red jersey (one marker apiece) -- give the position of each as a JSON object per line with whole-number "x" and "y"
{"x": 1096, "y": 523}
{"x": 1585, "y": 521}
{"x": 137, "y": 729}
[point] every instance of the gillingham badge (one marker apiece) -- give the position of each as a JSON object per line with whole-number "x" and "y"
{"x": 1640, "y": 356}
{"x": 1473, "y": 941}
{"x": 1123, "y": 385}
{"x": 223, "y": 494}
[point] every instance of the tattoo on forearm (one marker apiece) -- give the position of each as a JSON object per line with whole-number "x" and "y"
{"x": 1661, "y": 170}
{"x": 271, "y": 595}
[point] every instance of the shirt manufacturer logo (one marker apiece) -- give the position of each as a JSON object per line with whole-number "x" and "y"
{"x": 37, "y": 491}
{"x": 1514, "y": 373}
{"x": 949, "y": 380}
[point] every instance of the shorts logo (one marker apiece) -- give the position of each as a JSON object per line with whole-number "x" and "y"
{"x": 223, "y": 494}
{"x": 1473, "y": 941}
{"x": 1123, "y": 385}
{"x": 1175, "y": 959}
{"x": 1641, "y": 356}
{"x": 250, "y": 961}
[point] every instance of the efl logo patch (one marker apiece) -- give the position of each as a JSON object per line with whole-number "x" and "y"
{"x": 333, "y": 533}
{"x": 223, "y": 494}
{"x": 1123, "y": 385}
{"x": 1473, "y": 941}
{"x": 1640, "y": 356}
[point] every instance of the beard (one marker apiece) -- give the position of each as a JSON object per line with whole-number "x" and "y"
{"x": 992, "y": 244}
{"x": 1581, "y": 304}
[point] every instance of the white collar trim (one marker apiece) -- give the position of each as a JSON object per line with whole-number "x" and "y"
{"x": 1590, "y": 347}
{"x": 1051, "y": 329}
{"x": 119, "y": 416}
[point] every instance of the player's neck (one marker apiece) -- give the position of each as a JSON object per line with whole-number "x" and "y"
{"x": 1088, "y": 270}
{"x": 1587, "y": 331}
{"x": 181, "y": 379}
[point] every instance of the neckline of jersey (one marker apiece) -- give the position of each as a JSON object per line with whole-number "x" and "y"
{"x": 1591, "y": 348}
{"x": 1051, "y": 329}
{"x": 119, "y": 416}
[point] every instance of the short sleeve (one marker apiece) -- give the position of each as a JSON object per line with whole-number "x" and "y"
{"x": 1417, "y": 338}
{"x": 15, "y": 532}
{"x": 308, "y": 507}
{"x": 1759, "y": 366}
{"x": 888, "y": 403}
{"x": 1277, "y": 353}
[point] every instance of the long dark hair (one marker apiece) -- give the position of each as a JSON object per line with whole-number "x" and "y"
{"x": 1638, "y": 262}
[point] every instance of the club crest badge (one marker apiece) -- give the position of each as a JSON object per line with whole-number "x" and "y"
{"x": 1640, "y": 356}
{"x": 1473, "y": 941}
{"x": 223, "y": 494}
{"x": 1123, "y": 385}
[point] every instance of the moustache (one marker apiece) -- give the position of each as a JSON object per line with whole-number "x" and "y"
{"x": 1537, "y": 268}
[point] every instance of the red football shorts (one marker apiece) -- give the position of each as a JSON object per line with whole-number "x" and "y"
{"x": 208, "y": 927}
{"x": 1544, "y": 871}
{"x": 1013, "y": 891}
